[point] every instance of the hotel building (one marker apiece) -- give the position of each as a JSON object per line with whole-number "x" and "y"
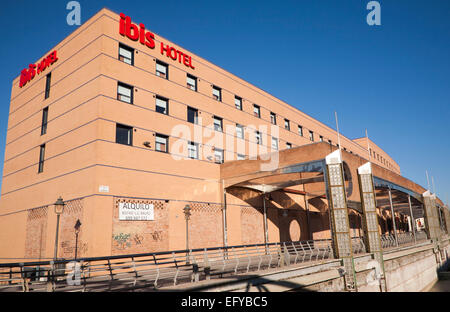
{"x": 120, "y": 122}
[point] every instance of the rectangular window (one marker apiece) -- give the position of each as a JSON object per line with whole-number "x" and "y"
{"x": 41, "y": 158}
{"x": 238, "y": 102}
{"x": 44, "y": 121}
{"x": 273, "y": 118}
{"x": 300, "y": 130}
{"x": 193, "y": 150}
{"x": 124, "y": 93}
{"x": 162, "y": 70}
{"x": 161, "y": 143}
{"x": 218, "y": 124}
{"x": 258, "y": 137}
{"x": 321, "y": 138}
{"x": 47, "y": 85}
{"x": 191, "y": 82}
{"x": 217, "y": 93}
{"x": 218, "y": 155}
{"x": 162, "y": 105}
{"x": 329, "y": 141}
{"x": 126, "y": 54}
{"x": 240, "y": 157}
{"x": 274, "y": 143}
{"x": 256, "y": 111}
{"x": 288, "y": 145}
{"x": 124, "y": 134}
{"x": 287, "y": 125}
{"x": 239, "y": 131}
{"x": 311, "y": 135}
{"x": 192, "y": 115}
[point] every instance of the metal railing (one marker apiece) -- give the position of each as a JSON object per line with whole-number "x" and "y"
{"x": 388, "y": 240}
{"x": 154, "y": 270}
{"x": 358, "y": 245}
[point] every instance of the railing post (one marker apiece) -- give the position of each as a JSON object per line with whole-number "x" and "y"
{"x": 393, "y": 218}
{"x": 337, "y": 204}
{"x": 413, "y": 223}
{"x": 195, "y": 274}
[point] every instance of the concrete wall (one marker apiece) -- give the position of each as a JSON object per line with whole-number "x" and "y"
{"x": 408, "y": 269}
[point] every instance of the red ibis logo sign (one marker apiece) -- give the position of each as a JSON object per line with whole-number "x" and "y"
{"x": 135, "y": 33}
{"x": 27, "y": 74}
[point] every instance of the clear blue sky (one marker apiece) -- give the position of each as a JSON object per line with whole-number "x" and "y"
{"x": 319, "y": 56}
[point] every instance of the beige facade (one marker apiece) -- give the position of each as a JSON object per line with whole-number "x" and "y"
{"x": 85, "y": 165}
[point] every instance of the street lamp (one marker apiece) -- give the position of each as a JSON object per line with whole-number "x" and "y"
{"x": 187, "y": 214}
{"x": 59, "y": 208}
{"x": 77, "y": 231}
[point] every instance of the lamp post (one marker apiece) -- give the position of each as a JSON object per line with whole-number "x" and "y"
{"x": 77, "y": 231}
{"x": 187, "y": 214}
{"x": 59, "y": 208}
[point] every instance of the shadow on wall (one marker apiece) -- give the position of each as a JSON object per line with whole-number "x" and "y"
{"x": 292, "y": 220}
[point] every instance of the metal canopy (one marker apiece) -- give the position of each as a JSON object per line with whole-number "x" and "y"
{"x": 384, "y": 184}
{"x": 313, "y": 166}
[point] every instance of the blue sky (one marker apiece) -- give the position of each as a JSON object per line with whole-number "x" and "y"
{"x": 319, "y": 56}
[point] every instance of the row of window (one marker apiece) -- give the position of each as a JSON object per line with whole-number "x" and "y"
{"x": 380, "y": 158}
{"x": 162, "y": 70}
{"x": 125, "y": 94}
{"x": 124, "y": 135}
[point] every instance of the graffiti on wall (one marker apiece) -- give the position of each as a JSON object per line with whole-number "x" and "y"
{"x": 122, "y": 240}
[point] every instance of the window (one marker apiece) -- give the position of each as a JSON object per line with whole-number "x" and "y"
{"x": 124, "y": 93}
{"x": 256, "y": 111}
{"x": 192, "y": 115}
{"x": 191, "y": 82}
{"x": 126, "y": 54}
{"x": 329, "y": 141}
{"x": 239, "y": 131}
{"x": 275, "y": 143}
{"x": 218, "y": 155}
{"x": 258, "y": 137}
{"x": 321, "y": 138}
{"x": 41, "y": 158}
{"x": 162, "y": 105}
{"x": 240, "y": 157}
{"x": 161, "y": 143}
{"x": 47, "y": 85}
{"x": 311, "y": 135}
{"x": 238, "y": 102}
{"x": 217, "y": 93}
{"x": 218, "y": 124}
{"x": 300, "y": 130}
{"x": 288, "y": 145}
{"x": 193, "y": 150}
{"x": 44, "y": 121}
{"x": 287, "y": 126}
{"x": 273, "y": 118}
{"x": 124, "y": 134}
{"x": 162, "y": 70}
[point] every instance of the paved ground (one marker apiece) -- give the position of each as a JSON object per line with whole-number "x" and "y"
{"x": 441, "y": 286}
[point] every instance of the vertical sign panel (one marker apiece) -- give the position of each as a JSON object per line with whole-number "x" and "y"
{"x": 370, "y": 217}
{"x": 339, "y": 215}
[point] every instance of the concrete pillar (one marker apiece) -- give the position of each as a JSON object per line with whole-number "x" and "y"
{"x": 431, "y": 217}
{"x": 370, "y": 217}
{"x": 337, "y": 199}
{"x": 412, "y": 222}
{"x": 447, "y": 219}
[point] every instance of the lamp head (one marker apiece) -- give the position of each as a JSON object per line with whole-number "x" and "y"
{"x": 59, "y": 206}
{"x": 187, "y": 211}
